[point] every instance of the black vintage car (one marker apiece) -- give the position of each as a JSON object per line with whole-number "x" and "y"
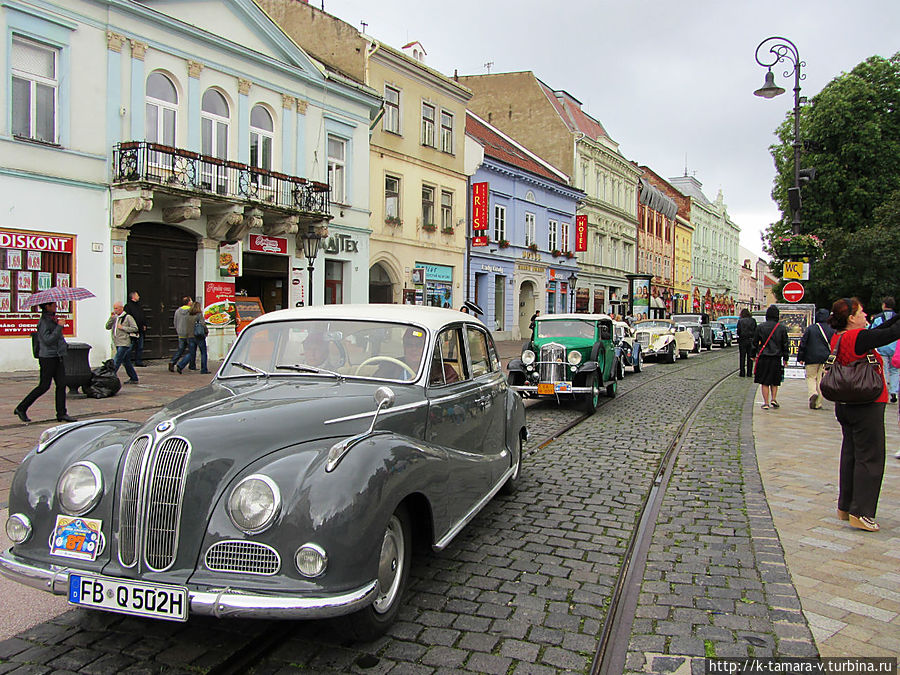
{"x": 292, "y": 486}
{"x": 699, "y": 325}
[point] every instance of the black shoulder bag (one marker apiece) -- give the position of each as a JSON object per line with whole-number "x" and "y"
{"x": 860, "y": 381}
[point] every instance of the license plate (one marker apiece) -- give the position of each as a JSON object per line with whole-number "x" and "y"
{"x": 129, "y": 597}
{"x": 545, "y": 388}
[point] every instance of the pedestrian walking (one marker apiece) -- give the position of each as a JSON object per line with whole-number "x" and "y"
{"x": 770, "y": 345}
{"x": 197, "y": 340}
{"x": 746, "y": 329}
{"x": 888, "y": 307}
{"x": 533, "y": 319}
{"x": 124, "y": 334}
{"x": 862, "y": 424}
{"x": 815, "y": 346}
{"x": 183, "y": 327}
{"x": 134, "y": 309}
{"x": 51, "y": 350}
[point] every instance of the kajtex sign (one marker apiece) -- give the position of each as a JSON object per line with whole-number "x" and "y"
{"x": 341, "y": 243}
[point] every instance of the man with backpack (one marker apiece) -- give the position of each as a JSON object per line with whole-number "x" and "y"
{"x": 815, "y": 347}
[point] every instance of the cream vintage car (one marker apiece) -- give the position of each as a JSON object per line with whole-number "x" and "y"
{"x": 663, "y": 339}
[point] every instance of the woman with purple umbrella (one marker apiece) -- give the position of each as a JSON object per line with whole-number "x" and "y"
{"x": 51, "y": 349}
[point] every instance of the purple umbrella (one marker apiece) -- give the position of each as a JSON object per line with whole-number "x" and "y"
{"x": 58, "y": 294}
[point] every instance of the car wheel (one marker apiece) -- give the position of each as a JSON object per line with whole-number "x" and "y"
{"x": 393, "y": 575}
{"x": 512, "y": 483}
{"x": 591, "y": 400}
{"x": 709, "y": 346}
{"x": 611, "y": 389}
{"x": 637, "y": 363}
{"x": 682, "y": 354}
{"x": 670, "y": 355}
{"x": 515, "y": 379}
{"x": 620, "y": 372}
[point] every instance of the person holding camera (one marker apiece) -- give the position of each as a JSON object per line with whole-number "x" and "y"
{"x": 124, "y": 332}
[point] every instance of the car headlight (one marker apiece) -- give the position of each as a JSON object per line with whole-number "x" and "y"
{"x": 79, "y": 488}
{"x": 311, "y": 560}
{"x": 574, "y": 358}
{"x": 18, "y": 528}
{"x": 528, "y": 357}
{"x": 254, "y": 503}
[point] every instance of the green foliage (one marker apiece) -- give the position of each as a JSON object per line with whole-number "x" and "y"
{"x": 851, "y": 134}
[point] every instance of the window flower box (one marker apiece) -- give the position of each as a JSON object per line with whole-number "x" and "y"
{"x": 429, "y": 227}
{"x": 393, "y": 220}
{"x": 533, "y": 247}
{"x": 446, "y": 230}
{"x": 556, "y": 253}
{"x": 568, "y": 254}
{"x": 503, "y": 243}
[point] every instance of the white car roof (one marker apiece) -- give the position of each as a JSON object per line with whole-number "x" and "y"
{"x": 432, "y": 318}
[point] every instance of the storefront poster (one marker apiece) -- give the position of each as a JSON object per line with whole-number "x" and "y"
{"x": 5, "y": 304}
{"x": 13, "y": 259}
{"x": 45, "y": 280}
{"x": 641, "y": 304}
{"x": 23, "y": 281}
{"x": 34, "y": 260}
{"x": 230, "y": 259}
{"x": 63, "y": 279}
{"x": 22, "y": 304}
{"x": 218, "y": 299}
{"x": 4, "y": 280}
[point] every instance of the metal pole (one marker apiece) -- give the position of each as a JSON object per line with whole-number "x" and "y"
{"x": 309, "y": 300}
{"x": 795, "y": 225}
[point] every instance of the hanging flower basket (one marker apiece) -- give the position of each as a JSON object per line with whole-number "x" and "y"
{"x": 798, "y": 245}
{"x": 556, "y": 253}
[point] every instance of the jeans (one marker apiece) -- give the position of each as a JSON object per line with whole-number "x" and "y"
{"x": 892, "y": 376}
{"x": 53, "y": 369}
{"x": 195, "y": 343}
{"x": 183, "y": 349}
{"x": 123, "y": 356}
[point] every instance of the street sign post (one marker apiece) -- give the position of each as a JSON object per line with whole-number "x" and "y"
{"x": 793, "y": 291}
{"x": 795, "y": 269}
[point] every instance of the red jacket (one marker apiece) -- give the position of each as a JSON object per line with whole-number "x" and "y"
{"x": 847, "y": 354}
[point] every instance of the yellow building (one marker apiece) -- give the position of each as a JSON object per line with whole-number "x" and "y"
{"x": 417, "y": 182}
{"x": 684, "y": 233}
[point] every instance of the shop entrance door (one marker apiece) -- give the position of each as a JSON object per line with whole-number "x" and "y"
{"x": 265, "y": 277}
{"x": 162, "y": 267}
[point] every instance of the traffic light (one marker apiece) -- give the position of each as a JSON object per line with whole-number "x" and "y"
{"x": 807, "y": 175}
{"x": 794, "y": 198}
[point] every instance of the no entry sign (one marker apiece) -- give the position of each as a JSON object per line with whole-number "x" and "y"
{"x": 793, "y": 291}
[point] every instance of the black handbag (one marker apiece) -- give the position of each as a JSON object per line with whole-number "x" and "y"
{"x": 861, "y": 381}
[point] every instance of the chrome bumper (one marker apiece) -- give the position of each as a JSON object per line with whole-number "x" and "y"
{"x": 225, "y": 603}
{"x": 532, "y": 389}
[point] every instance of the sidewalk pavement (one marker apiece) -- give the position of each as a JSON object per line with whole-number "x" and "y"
{"x": 848, "y": 581}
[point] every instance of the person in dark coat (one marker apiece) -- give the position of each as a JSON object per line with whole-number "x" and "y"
{"x": 862, "y": 424}
{"x": 770, "y": 344}
{"x": 51, "y": 350}
{"x": 133, "y": 308}
{"x": 746, "y": 329}
{"x": 815, "y": 346}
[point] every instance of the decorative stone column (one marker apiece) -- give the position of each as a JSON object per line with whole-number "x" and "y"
{"x": 218, "y": 224}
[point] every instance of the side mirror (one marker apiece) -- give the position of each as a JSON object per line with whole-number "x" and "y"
{"x": 384, "y": 397}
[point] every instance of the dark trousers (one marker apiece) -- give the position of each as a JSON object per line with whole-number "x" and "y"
{"x": 862, "y": 457}
{"x": 138, "y": 349}
{"x": 53, "y": 369}
{"x": 746, "y": 364}
{"x": 123, "y": 356}
{"x": 184, "y": 348}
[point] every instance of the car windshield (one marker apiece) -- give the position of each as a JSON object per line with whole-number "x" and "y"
{"x": 652, "y": 325}
{"x": 552, "y": 328}
{"x": 686, "y": 319}
{"x": 336, "y": 348}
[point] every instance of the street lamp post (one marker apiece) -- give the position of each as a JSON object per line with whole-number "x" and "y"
{"x": 782, "y": 49}
{"x": 573, "y": 279}
{"x": 311, "y": 248}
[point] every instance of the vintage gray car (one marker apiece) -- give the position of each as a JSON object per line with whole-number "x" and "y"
{"x": 292, "y": 486}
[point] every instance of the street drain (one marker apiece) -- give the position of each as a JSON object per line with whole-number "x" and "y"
{"x": 367, "y": 661}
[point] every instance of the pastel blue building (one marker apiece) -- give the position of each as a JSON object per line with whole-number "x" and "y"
{"x": 528, "y": 261}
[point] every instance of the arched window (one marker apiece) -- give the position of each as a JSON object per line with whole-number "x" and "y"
{"x": 214, "y": 117}
{"x": 161, "y": 109}
{"x": 261, "y": 138}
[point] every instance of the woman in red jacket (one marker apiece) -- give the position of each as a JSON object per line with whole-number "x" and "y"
{"x": 862, "y": 425}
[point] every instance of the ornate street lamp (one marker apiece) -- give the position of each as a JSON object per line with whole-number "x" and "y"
{"x": 310, "y": 249}
{"x": 781, "y": 49}
{"x": 573, "y": 279}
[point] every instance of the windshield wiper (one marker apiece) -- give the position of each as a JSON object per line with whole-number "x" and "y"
{"x": 251, "y": 369}
{"x": 303, "y": 368}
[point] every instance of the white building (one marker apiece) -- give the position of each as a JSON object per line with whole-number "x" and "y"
{"x": 140, "y": 142}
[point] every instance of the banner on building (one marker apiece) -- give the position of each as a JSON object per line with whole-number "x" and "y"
{"x": 580, "y": 234}
{"x": 479, "y": 207}
{"x": 480, "y": 240}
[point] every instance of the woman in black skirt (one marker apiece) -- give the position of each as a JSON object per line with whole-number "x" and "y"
{"x": 770, "y": 344}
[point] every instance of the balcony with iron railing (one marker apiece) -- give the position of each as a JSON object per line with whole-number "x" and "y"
{"x": 183, "y": 173}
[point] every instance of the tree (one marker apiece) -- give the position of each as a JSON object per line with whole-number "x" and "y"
{"x": 850, "y": 133}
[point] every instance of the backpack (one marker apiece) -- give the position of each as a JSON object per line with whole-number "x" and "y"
{"x": 35, "y": 345}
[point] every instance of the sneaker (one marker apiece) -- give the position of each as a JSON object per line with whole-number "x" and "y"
{"x": 179, "y": 370}
{"x": 814, "y": 402}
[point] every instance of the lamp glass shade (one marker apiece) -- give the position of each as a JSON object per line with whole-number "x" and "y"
{"x": 311, "y": 246}
{"x": 769, "y": 89}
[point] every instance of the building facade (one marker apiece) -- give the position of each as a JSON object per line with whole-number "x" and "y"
{"x": 416, "y": 182}
{"x": 656, "y": 239}
{"x": 553, "y": 125}
{"x": 715, "y": 250}
{"x": 523, "y": 261}
{"x": 210, "y": 137}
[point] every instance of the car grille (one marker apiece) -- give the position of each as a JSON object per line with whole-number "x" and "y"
{"x": 150, "y": 501}
{"x": 643, "y": 338}
{"x": 552, "y": 367}
{"x": 242, "y": 557}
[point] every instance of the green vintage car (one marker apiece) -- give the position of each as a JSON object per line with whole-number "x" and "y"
{"x": 570, "y": 357}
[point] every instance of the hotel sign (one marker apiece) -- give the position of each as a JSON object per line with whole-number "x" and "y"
{"x": 580, "y": 234}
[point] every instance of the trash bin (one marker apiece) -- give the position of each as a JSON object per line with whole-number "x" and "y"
{"x": 78, "y": 366}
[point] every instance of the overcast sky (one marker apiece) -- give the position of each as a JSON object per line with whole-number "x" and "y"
{"x": 672, "y": 81}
